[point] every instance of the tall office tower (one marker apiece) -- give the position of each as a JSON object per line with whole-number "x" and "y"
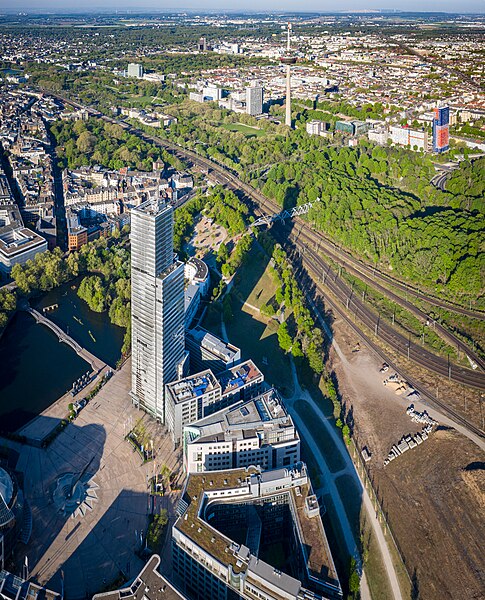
{"x": 135, "y": 70}
{"x": 288, "y": 59}
{"x": 441, "y": 129}
{"x": 202, "y": 44}
{"x": 157, "y": 306}
{"x": 254, "y": 100}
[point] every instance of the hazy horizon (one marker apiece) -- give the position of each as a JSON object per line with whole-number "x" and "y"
{"x": 271, "y": 6}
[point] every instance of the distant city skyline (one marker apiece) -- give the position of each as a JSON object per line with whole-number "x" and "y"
{"x": 61, "y": 6}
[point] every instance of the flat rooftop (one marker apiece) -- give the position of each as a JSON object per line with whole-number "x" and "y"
{"x": 149, "y": 585}
{"x": 244, "y": 419}
{"x": 201, "y": 269}
{"x": 223, "y": 350}
{"x": 203, "y": 487}
{"x": 15, "y": 241}
{"x": 192, "y": 386}
{"x": 239, "y": 376}
{"x": 151, "y": 207}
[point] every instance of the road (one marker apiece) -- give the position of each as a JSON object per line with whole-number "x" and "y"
{"x": 439, "y": 180}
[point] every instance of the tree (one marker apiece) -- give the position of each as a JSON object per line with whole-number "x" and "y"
{"x": 85, "y": 142}
{"x": 92, "y": 291}
{"x": 354, "y": 578}
{"x": 284, "y": 338}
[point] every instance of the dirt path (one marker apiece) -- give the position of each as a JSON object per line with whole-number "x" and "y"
{"x": 331, "y": 488}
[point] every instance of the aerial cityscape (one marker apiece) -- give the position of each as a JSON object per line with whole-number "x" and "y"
{"x": 242, "y": 302}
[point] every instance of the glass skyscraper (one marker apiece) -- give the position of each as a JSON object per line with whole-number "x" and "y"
{"x": 157, "y": 306}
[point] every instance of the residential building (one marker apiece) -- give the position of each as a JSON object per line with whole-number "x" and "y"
{"x": 441, "y": 129}
{"x": 209, "y": 352}
{"x": 257, "y": 432}
{"x": 254, "y": 100}
{"x": 135, "y": 70}
{"x": 197, "y": 396}
{"x": 77, "y": 235}
{"x": 229, "y": 519}
{"x": 157, "y": 284}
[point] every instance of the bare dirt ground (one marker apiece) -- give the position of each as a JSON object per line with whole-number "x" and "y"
{"x": 434, "y": 494}
{"x": 208, "y": 236}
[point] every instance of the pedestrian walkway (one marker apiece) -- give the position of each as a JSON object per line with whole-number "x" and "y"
{"x": 331, "y": 488}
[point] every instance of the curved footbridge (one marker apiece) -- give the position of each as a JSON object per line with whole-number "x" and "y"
{"x": 96, "y": 363}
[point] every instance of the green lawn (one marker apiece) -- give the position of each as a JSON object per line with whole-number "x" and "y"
{"x": 246, "y": 129}
{"x": 309, "y": 458}
{"x": 351, "y": 497}
{"x": 253, "y": 282}
{"x": 330, "y": 452}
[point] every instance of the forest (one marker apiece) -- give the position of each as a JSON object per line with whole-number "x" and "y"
{"x": 106, "y": 264}
{"x": 96, "y": 142}
{"x": 376, "y": 201}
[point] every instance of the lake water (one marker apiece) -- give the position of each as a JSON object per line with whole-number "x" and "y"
{"x": 35, "y": 369}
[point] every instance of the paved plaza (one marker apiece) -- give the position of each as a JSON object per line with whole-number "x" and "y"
{"x": 86, "y": 553}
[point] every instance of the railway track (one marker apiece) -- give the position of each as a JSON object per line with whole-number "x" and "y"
{"x": 432, "y": 401}
{"x": 394, "y": 339}
{"x": 444, "y": 333}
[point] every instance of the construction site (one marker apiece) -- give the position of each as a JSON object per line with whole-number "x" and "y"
{"x": 435, "y": 484}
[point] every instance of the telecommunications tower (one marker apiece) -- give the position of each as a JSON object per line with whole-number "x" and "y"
{"x": 288, "y": 59}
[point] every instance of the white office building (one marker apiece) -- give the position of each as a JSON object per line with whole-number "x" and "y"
{"x": 135, "y": 70}
{"x": 254, "y": 100}
{"x": 157, "y": 306}
{"x": 197, "y": 396}
{"x": 256, "y": 432}
{"x": 414, "y": 138}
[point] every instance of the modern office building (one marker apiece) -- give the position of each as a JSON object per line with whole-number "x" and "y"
{"x": 209, "y": 352}
{"x": 18, "y": 244}
{"x": 13, "y": 587}
{"x": 237, "y": 527}
{"x": 149, "y": 584}
{"x": 15, "y": 515}
{"x": 378, "y": 135}
{"x": 197, "y": 282}
{"x": 197, "y": 396}
{"x": 441, "y": 129}
{"x": 352, "y": 127}
{"x": 254, "y": 100}
{"x": 157, "y": 306}
{"x": 413, "y": 138}
{"x": 317, "y": 127}
{"x": 345, "y": 127}
{"x": 257, "y": 432}
{"x": 135, "y": 70}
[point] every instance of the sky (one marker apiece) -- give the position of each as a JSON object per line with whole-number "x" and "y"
{"x": 462, "y": 6}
